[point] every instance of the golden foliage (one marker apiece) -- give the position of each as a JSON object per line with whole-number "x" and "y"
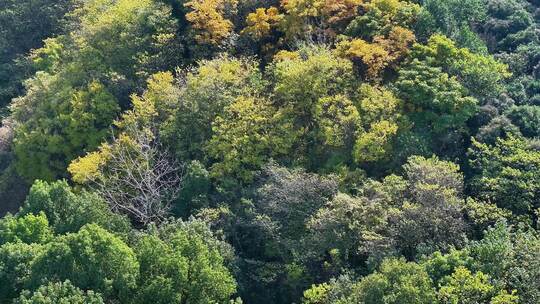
{"x": 261, "y": 22}
{"x": 207, "y": 17}
{"x": 374, "y": 56}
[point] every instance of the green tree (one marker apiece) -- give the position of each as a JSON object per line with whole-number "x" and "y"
{"x": 246, "y": 136}
{"x": 207, "y": 91}
{"x": 300, "y": 82}
{"x": 466, "y": 287}
{"x": 439, "y": 104}
{"x": 15, "y": 268}
{"x": 87, "y": 76}
{"x": 67, "y": 210}
{"x": 52, "y": 135}
{"x": 527, "y": 118}
{"x": 93, "y": 259}
{"x": 24, "y": 26}
{"x": 455, "y": 20}
{"x": 482, "y": 75}
{"x": 64, "y": 292}
{"x": 396, "y": 281}
{"x": 510, "y": 257}
{"x": 27, "y": 229}
{"x": 506, "y": 173}
{"x": 182, "y": 264}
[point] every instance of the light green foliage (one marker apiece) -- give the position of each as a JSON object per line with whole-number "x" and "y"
{"x": 438, "y": 107}
{"x": 50, "y": 134}
{"x": 15, "y": 268}
{"x": 325, "y": 141}
{"x": 246, "y": 136}
{"x": 68, "y": 211}
{"x": 466, "y": 287}
{"x": 441, "y": 266}
{"x": 482, "y": 75}
{"x": 507, "y": 173}
{"x": 381, "y": 116}
{"x": 68, "y": 109}
{"x": 93, "y": 259}
{"x": 208, "y": 89}
{"x": 27, "y": 229}
{"x": 316, "y": 294}
{"x": 484, "y": 214}
{"x": 153, "y": 111}
{"x": 59, "y": 293}
{"x": 395, "y": 282}
{"x": 436, "y": 100}
{"x": 338, "y": 120}
{"x": 300, "y": 84}
{"x": 302, "y": 81}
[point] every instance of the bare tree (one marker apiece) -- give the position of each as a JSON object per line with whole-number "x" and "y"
{"x": 139, "y": 179}
{"x": 6, "y": 135}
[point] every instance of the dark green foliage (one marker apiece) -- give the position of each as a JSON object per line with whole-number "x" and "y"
{"x": 93, "y": 259}
{"x": 183, "y": 264}
{"x": 15, "y": 268}
{"x": 506, "y": 173}
{"x": 18, "y": 37}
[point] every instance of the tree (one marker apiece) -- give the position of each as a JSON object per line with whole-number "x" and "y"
{"x": 482, "y": 75}
{"x": 93, "y": 259}
{"x": 380, "y": 16}
{"x": 67, "y": 210}
{"x": 207, "y": 18}
{"x": 509, "y": 256}
{"x": 338, "y": 124}
{"x": 183, "y": 263}
{"x": 455, "y": 20}
{"x": 349, "y": 229}
{"x": 439, "y": 103}
{"x": 63, "y": 292}
{"x": 505, "y": 174}
{"x": 434, "y": 196}
{"x": 527, "y": 118}
{"x": 15, "y": 267}
{"x": 396, "y": 281}
{"x": 87, "y": 76}
{"x": 207, "y": 91}
{"x": 50, "y": 137}
{"x": 18, "y": 37}
{"x": 250, "y": 132}
{"x": 133, "y": 175}
{"x": 270, "y": 231}
{"x": 466, "y": 287}
{"x": 300, "y": 82}
{"x": 400, "y": 215}
{"x": 28, "y": 229}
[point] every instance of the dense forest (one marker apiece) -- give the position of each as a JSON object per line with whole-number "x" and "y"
{"x": 270, "y": 151}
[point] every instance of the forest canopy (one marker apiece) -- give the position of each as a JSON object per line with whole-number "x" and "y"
{"x": 292, "y": 151}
